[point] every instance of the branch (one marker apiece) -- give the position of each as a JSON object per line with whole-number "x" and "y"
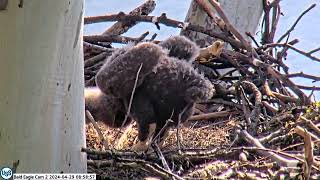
{"x": 258, "y": 100}
{"x": 314, "y": 50}
{"x": 204, "y": 5}
{"x": 212, "y": 115}
{"x": 275, "y": 19}
{"x": 263, "y": 151}
{"x": 303, "y": 75}
{"x": 190, "y": 154}
{"x": 134, "y": 163}
{"x": 295, "y": 23}
{"x": 163, "y": 20}
{"x": 230, "y": 27}
{"x": 314, "y": 88}
{"x": 95, "y": 59}
{"x": 266, "y": 22}
{"x": 307, "y": 54}
{"x": 123, "y": 26}
{"x": 271, "y": 71}
{"x": 95, "y": 125}
{"x": 113, "y": 38}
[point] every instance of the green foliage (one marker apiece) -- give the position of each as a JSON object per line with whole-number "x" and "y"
{"x": 313, "y": 111}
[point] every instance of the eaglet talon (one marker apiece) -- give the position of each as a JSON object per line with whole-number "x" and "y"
{"x": 142, "y": 146}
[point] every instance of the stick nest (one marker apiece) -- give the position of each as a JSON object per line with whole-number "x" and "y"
{"x": 260, "y": 125}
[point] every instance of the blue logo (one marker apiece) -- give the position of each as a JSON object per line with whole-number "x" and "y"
{"x": 6, "y": 173}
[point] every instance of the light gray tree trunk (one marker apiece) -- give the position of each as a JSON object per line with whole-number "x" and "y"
{"x": 243, "y": 14}
{"x": 41, "y": 91}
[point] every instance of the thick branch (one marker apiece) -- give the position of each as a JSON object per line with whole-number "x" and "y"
{"x": 123, "y": 26}
{"x": 163, "y": 20}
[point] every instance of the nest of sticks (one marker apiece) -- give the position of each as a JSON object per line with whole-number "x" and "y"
{"x": 260, "y": 125}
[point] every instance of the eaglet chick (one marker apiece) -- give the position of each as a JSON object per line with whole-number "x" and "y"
{"x": 166, "y": 88}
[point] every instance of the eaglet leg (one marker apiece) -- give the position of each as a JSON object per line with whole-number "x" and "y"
{"x": 143, "y": 113}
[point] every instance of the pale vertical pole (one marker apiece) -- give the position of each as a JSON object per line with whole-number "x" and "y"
{"x": 41, "y": 90}
{"x": 244, "y": 15}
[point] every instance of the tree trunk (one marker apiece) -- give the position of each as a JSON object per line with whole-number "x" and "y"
{"x": 244, "y": 15}
{"x": 41, "y": 91}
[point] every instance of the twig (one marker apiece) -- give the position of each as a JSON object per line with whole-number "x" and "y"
{"x": 298, "y": 144}
{"x": 293, "y": 48}
{"x": 134, "y": 163}
{"x": 190, "y": 154}
{"x": 113, "y": 38}
{"x": 308, "y": 155}
{"x": 301, "y": 74}
{"x": 95, "y": 125}
{"x": 310, "y": 124}
{"x": 258, "y": 99}
{"x": 252, "y": 38}
{"x": 285, "y": 99}
{"x": 275, "y": 18}
{"x": 266, "y": 22}
{"x": 132, "y": 94}
{"x": 301, "y": 131}
{"x": 295, "y": 23}
{"x": 245, "y": 104}
{"x": 212, "y": 115}
{"x": 216, "y": 123}
{"x": 282, "y": 161}
{"x": 163, "y": 128}
{"x": 283, "y": 53}
{"x": 204, "y": 5}
{"x": 131, "y": 99}
{"x": 271, "y": 71}
{"x": 221, "y": 101}
{"x": 90, "y": 82}
{"x": 311, "y": 88}
{"x": 97, "y": 48}
{"x": 236, "y": 64}
{"x": 95, "y": 59}
{"x": 271, "y": 135}
{"x": 153, "y": 37}
{"x": 270, "y": 108}
{"x": 161, "y": 157}
{"x": 282, "y": 118}
{"x": 314, "y": 50}
{"x": 179, "y": 123}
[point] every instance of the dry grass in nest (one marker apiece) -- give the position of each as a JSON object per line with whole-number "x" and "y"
{"x": 195, "y": 134}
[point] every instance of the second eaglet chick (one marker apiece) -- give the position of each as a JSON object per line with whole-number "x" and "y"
{"x": 181, "y": 48}
{"x": 166, "y": 88}
{"x": 103, "y": 108}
